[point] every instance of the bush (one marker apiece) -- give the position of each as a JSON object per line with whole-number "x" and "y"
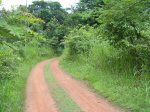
{"x": 80, "y": 41}
{"x": 8, "y": 62}
{"x": 36, "y": 49}
{"x": 86, "y": 46}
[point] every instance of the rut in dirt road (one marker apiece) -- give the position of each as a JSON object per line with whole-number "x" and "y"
{"x": 80, "y": 93}
{"x": 38, "y": 96}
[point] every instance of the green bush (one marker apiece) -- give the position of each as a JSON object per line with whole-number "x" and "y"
{"x": 80, "y": 41}
{"x": 84, "y": 44}
{"x": 36, "y": 49}
{"x": 8, "y": 62}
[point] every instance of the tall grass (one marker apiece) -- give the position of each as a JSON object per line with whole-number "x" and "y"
{"x": 105, "y": 57}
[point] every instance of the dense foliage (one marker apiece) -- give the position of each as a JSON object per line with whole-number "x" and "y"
{"x": 14, "y": 38}
{"x": 20, "y": 48}
{"x": 54, "y": 16}
{"x": 110, "y": 39}
{"x": 124, "y": 25}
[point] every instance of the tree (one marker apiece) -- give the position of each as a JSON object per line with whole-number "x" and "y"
{"x": 56, "y": 32}
{"x": 126, "y": 25}
{"x": 48, "y": 10}
{"x": 55, "y": 17}
{"x": 89, "y": 4}
{"x": 87, "y": 12}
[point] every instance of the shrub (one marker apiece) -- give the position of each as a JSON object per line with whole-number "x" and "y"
{"x": 80, "y": 41}
{"x": 8, "y": 62}
{"x": 87, "y": 46}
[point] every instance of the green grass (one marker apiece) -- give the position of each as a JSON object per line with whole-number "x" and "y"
{"x": 121, "y": 89}
{"x": 12, "y": 92}
{"x": 63, "y": 101}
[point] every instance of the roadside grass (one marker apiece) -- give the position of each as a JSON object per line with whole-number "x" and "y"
{"x": 63, "y": 100}
{"x": 119, "y": 89}
{"x": 12, "y": 92}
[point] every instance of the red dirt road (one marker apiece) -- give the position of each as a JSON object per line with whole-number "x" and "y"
{"x": 38, "y": 96}
{"x": 80, "y": 93}
{"x": 39, "y": 99}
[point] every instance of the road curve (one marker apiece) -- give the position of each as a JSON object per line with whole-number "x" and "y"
{"x": 39, "y": 99}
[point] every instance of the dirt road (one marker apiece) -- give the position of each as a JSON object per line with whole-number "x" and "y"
{"x": 39, "y": 98}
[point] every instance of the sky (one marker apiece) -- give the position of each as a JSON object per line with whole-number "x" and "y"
{"x": 9, "y": 3}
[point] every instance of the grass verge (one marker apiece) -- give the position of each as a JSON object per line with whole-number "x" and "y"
{"x": 63, "y": 101}
{"x": 120, "y": 89}
{"x": 12, "y": 92}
